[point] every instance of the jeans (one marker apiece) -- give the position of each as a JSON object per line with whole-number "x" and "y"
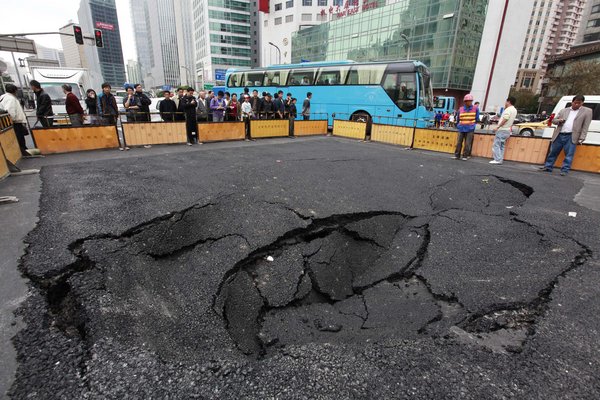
{"x": 561, "y": 142}
{"x": 499, "y": 143}
{"x": 468, "y": 138}
{"x": 76, "y": 119}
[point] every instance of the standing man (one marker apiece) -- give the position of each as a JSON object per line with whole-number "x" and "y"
{"x": 278, "y": 105}
{"x": 107, "y": 105}
{"x": 255, "y": 103}
{"x": 13, "y": 107}
{"x": 144, "y": 102}
{"x": 503, "y": 130}
{"x": 247, "y": 113}
{"x": 43, "y": 110}
{"x": 217, "y": 106}
{"x": 167, "y": 107}
{"x": 306, "y": 107}
{"x": 267, "y": 109}
{"x": 203, "y": 107}
{"x": 180, "y": 116}
{"x": 132, "y": 105}
{"x": 572, "y": 126}
{"x": 466, "y": 120}
{"x": 73, "y": 106}
{"x": 191, "y": 125}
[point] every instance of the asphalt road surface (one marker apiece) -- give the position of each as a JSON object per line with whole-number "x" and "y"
{"x": 316, "y": 268}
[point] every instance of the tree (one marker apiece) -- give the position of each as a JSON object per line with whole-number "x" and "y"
{"x": 527, "y": 102}
{"x": 571, "y": 78}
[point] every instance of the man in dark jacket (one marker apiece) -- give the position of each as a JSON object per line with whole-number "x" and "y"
{"x": 191, "y": 125}
{"x": 73, "y": 106}
{"x": 267, "y": 109}
{"x": 144, "y": 101}
{"x": 279, "y": 105}
{"x": 107, "y": 106}
{"x": 255, "y": 102}
{"x": 44, "y": 104}
{"x": 167, "y": 107}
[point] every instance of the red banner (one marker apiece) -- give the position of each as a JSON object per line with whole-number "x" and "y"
{"x": 263, "y": 5}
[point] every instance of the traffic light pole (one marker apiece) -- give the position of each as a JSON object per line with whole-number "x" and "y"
{"x": 43, "y": 33}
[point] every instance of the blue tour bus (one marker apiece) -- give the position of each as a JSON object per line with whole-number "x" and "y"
{"x": 444, "y": 104}
{"x": 398, "y": 90}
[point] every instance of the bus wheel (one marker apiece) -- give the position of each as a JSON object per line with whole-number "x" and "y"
{"x": 360, "y": 116}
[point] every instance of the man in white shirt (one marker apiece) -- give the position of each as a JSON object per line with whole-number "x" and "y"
{"x": 572, "y": 127}
{"x": 11, "y": 104}
{"x": 503, "y": 130}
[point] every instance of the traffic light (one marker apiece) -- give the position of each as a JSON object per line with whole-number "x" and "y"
{"x": 78, "y": 34}
{"x": 98, "y": 36}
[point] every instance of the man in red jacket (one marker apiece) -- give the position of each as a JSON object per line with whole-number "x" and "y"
{"x": 73, "y": 106}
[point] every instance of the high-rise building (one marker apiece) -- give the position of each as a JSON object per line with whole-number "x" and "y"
{"x": 222, "y": 37}
{"x": 552, "y": 30}
{"x": 590, "y": 23}
{"x": 279, "y": 19}
{"x": 134, "y": 72}
{"x": 47, "y": 53}
{"x": 106, "y": 61}
{"x": 185, "y": 41}
{"x": 164, "y": 41}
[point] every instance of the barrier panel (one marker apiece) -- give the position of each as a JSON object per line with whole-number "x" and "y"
{"x": 67, "y": 139}
{"x": 308, "y": 128}
{"x": 5, "y": 121}
{"x": 349, "y": 129}
{"x": 264, "y": 128}
{"x": 522, "y": 149}
{"x": 392, "y": 134}
{"x": 10, "y": 145}
{"x": 221, "y": 131}
{"x": 435, "y": 140}
{"x": 482, "y": 145}
{"x": 587, "y": 158}
{"x": 144, "y": 133}
{"x": 4, "y": 171}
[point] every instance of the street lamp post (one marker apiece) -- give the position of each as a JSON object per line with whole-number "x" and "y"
{"x": 278, "y": 51}
{"x": 403, "y": 36}
{"x": 187, "y": 74}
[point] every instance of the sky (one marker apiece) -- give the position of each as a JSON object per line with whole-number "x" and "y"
{"x": 50, "y": 15}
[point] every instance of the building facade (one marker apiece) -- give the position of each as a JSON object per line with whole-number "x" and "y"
{"x": 552, "y": 31}
{"x": 72, "y": 51}
{"x": 105, "y": 62}
{"x": 185, "y": 41}
{"x": 279, "y": 19}
{"x": 222, "y": 37}
{"x": 443, "y": 34}
{"x": 134, "y": 71}
{"x": 590, "y": 23}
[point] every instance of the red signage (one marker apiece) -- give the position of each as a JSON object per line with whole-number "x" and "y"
{"x": 263, "y": 6}
{"x": 104, "y": 25}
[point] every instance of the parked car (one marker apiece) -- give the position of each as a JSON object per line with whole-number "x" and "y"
{"x": 528, "y": 128}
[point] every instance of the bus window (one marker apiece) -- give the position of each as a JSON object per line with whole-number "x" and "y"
{"x": 235, "y": 79}
{"x": 275, "y": 78}
{"x": 301, "y": 77}
{"x": 425, "y": 91}
{"x": 366, "y": 75}
{"x": 332, "y": 76}
{"x": 254, "y": 78}
{"x": 401, "y": 87}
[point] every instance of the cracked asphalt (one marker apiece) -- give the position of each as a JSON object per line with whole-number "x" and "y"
{"x": 315, "y": 268}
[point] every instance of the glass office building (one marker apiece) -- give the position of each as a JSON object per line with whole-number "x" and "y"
{"x": 443, "y": 34}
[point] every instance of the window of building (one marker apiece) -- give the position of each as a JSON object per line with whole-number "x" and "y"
{"x": 278, "y": 7}
{"x": 306, "y": 17}
{"x": 307, "y": 3}
{"x": 320, "y": 17}
{"x": 278, "y": 21}
{"x": 276, "y": 78}
{"x": 322, "y": 3}
{"x": 338, "y": 3}
{"x": 289, "y": 4}
{"x": 300, "y": 77}
{"x": 596, "y": 9}
{"x": 266, "y": 23}
{"x": 593, "y": 23}
{"x": 289, "y": 18}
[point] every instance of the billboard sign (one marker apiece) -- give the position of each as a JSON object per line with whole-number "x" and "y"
{"x": 18, "y": 45}
{"x": 104, "y": 25}
{"x": 220, "y": 74}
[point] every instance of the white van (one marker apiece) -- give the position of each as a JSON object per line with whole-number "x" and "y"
{"x": 593, "y": 102}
